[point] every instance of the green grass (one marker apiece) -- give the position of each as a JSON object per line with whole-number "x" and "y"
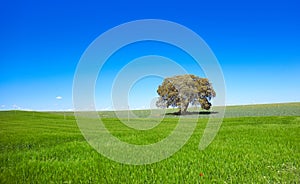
{"x": 261, "y": 147}
{"x": 280, "y": 109}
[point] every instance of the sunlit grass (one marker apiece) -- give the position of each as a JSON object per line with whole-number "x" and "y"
{"x": 46, "y": 147}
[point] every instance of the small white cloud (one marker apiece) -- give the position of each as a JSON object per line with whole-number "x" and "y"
{"x": 108, "y": 108}
{"x": 58, "y": 97}
{"x": 27, "y": 109}
{"x": 2, "y": 106}
{"x": 16, "y": 106}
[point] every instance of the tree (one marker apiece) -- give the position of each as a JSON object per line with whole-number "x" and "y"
{"x": 182, "y": 90}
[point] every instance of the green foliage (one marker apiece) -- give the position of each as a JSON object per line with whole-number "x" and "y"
{"x": 180, "y": 91}
{"x": 48, "y": 148}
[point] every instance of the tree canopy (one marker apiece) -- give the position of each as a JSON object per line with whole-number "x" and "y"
{"x": 182, "y": 90}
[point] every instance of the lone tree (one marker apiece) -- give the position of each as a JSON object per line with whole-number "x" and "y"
{"x": 182, "y": 90}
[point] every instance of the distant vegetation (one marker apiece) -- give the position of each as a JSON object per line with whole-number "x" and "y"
{"x": 45, "y": 147}
{"x": 280, "y": 109}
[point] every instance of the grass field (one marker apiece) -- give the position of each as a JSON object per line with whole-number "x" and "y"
{"x": 255, "y": 144}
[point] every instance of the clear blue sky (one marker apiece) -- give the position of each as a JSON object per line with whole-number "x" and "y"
{"x": 256, "y": 42}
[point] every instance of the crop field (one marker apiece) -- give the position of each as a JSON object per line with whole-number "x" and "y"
{"x": 255, "y": 144}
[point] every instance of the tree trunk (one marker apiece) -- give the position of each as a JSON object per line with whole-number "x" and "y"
{"x": 183, "y": 109}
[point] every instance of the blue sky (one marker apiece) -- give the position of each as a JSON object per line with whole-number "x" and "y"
{"x": 256, "y": 43}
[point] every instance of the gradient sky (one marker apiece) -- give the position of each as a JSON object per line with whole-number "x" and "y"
{"x": 256, "y": 42}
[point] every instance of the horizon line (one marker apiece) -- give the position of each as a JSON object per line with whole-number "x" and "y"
{"x": 136, "y": 109}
